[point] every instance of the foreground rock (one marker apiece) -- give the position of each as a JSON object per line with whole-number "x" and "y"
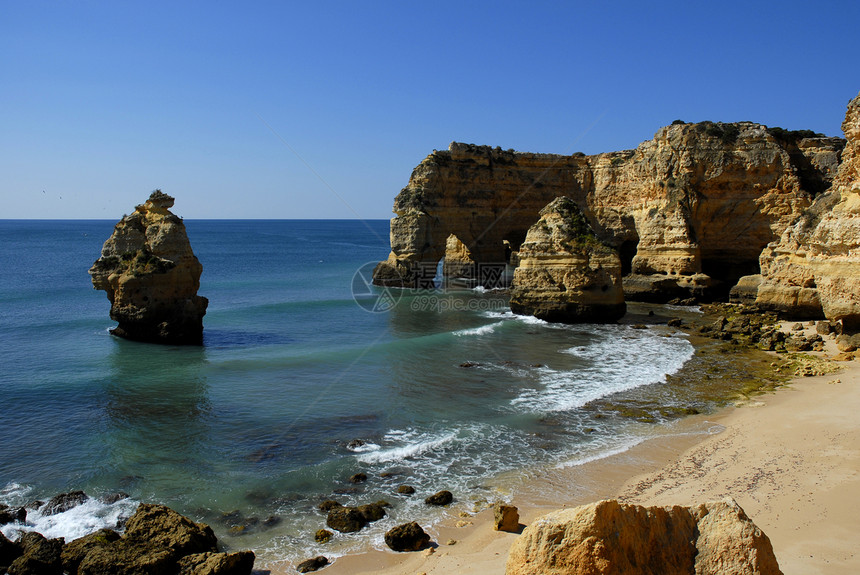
{"x": 566, "y": 274}
{"x": 157, "y": 541}
{"x": 151, "y": 276}
{"x": 609, "y": 537}
{"x": 814, "y": 268}
{"x": 688, "y": 211}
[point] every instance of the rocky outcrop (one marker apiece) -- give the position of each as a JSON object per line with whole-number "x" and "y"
{"x": 609, "y": 537}
{"x": 565, "y": 273}
{"x": 689, "y": 210}
{"x": 151, "y": 276}
{"x": 814, "y": 268}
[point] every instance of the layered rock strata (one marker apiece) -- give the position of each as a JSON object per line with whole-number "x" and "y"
{"x": 690, "y": 208}
{"x": 566, "y": 274}
{"x": 151, "y": 276}
{"x": 814, "y": 268}
{"x": 609, "y": 537}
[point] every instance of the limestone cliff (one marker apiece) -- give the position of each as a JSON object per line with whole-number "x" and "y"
{"x": 814, "y": 268}
{"x": 151, "y": 276}
{"x": 689, "y": 209}
{"x": 566, "y": 274}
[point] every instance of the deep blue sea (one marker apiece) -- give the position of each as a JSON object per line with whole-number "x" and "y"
{"x": 307, "y": 376}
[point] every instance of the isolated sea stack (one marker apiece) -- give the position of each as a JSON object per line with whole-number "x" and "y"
{"x": 566, "y": 273}
{"x": 151, "y": 276}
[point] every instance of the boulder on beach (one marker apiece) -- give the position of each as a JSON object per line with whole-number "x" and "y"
{"x": 608, "y": 537}
{"x": 311, "y": 565}
{"x": 506, "y": 518}
{"x": 407, "y": 537}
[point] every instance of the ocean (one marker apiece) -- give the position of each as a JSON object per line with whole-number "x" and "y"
{"x": 307, "y": 376}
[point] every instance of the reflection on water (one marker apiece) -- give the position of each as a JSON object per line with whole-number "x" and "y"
{"x": 157, "y": 416}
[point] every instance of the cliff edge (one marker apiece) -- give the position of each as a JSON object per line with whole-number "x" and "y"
{"x": 688, "y": 211}
{"x": 151, "y": 276}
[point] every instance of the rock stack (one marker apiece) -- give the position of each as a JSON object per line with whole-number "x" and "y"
{"x": 566, "y": 274}
{"x": 151, "y": 276}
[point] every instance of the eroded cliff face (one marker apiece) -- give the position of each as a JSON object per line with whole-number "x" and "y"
{"x": 151, "y": 276}
{"x": 566, "y": 274}
{"x": 814, "y": 268}
{"x": 690, "y": 208}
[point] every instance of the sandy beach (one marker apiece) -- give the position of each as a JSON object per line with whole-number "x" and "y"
{"x": 791, "y": 459}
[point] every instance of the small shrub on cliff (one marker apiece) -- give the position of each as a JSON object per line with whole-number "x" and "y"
{"x": 792, "y": 136}
{"x": 726, "y": 133}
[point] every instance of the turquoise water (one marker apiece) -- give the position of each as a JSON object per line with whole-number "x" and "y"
{"x": 297, "y": 387}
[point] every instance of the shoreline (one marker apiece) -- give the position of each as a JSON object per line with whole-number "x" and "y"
{"x": 790, "y": 458}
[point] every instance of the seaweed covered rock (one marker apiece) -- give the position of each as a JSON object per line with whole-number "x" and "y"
{"x": 151, "y": 276}
{"x": 566, "y": 274}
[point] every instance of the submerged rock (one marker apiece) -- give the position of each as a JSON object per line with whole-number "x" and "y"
{"x": 566, "y": 274}
{"x": 151, "y": 276}
{"x": 610, "y": 537}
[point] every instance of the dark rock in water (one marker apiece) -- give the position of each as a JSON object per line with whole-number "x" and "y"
{"x": 209, "y": 563}
{"x": 40, "y": 556}
{"x": 354, "y": 444}
{"x": 328, "y": 505}
{"x": 407, "y": 537}
{"x": 358, "y": 478}
{"x": 11, "y": 514}
{"x": 346, "y": 519}
{"x": 112, "y": 498}
{"x": 64, "y": 502}
{"x": 441, "y": 498}
{"x": 151, "y": 276}
{"x": 9, "y": 551}
{"x": 75, "y": 551}
{"x": 675, "y": 322}
{"x": 406, "y": 490}
{"x": 271, "y": 521}
{"x": 346, "y": 491}
{"x": 323, "y": 536}
{"x": 312, "y": 564}
{"x": 371, "y": 512}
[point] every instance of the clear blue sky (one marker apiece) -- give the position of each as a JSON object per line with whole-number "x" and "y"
{"x": 102, "y": 102}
